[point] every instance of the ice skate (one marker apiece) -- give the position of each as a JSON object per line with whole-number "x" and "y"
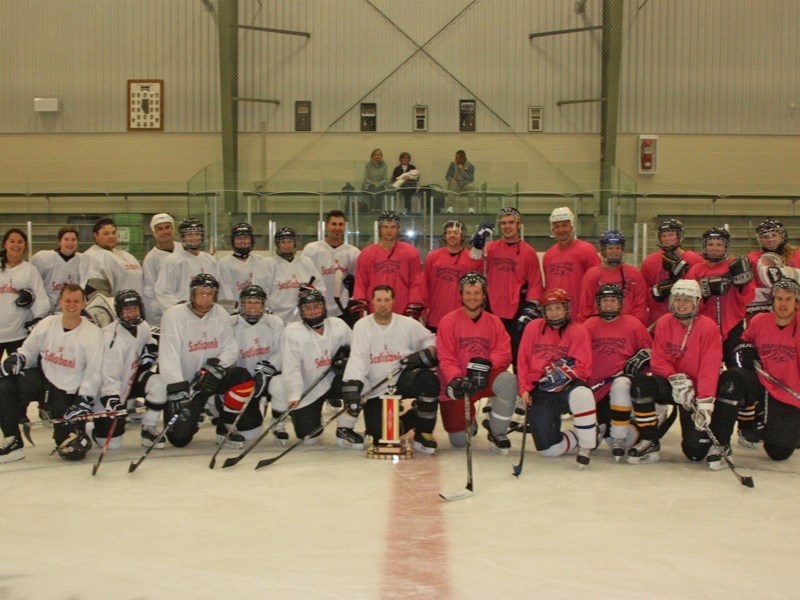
{"x": 644, "y": 452}
{"x": 499, "y": 442}
{"x": 748, "y": 438}
{"x": 149, "y": 435}
{"x": 425, "y": 443}
{"x": 617, "y": 448}
{"x": 279, "y": 433}
{"x": 234, "y": 438}
{"x": 11, "y": 449}
{"x": 584, "y": 456}
{"x": 714, "y": 458}
{"x": 348, "y": 438}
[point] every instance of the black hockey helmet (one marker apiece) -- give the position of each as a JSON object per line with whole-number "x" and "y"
{"x": 75, "y": 447}
{"x": 716, "y": 233}
{"x": 204, "y": 280}
{"x": 608, "y": 290}
{"x": 671, "y": 224}
{"x": 286, "y": 233}
{"x": 128, "y": 298}
{"x": 256, "y": 292}
{"x": 765, "y": 235}
{"x": 191, "y": 225}
{"x": 238, "y": 230}
{"x": 312, "y": 296}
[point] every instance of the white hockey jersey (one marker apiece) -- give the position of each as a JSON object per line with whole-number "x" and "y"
{"x": 57, "y": 272}
{"x": 121, "y": 355}
{"x": 282, "y": 279}
{"x": 235, "y": 275}
{"x": 259, "y": 342}
{"x": 12, "y": 317}
{"x": 177, "y": 271}
{"x": 329, "y": 261}
{"x": 119, "y": 268}
{"x": 151, "y": 267}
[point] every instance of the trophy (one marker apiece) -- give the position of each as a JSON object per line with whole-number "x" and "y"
{"x": 390, "y": 444}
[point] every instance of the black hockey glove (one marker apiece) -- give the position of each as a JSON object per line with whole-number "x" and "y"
{"x": 637, "y": 362}
{"x": 351, "y": 396}
{"x": 264, "y": 371}
{"x": 349, "y": 283}
{"x": 528, "y": 313}
{"x": 424, "y": 359}
{"x": 662, "y": 289}
{"x": 25, "y": 298}
{"x": 458, "y": 388}
{"x": 740, "y": 272}
{"x": 414, "y": 310}
{"x": 339, "y": 360}
{"x": 746, "y": 355}
{"x": 714, "y": 286}
{"x": 12, "y": 365}
{"x": 673, "y": 265}
{"x": 148, "y": 357}
{"x": 82, "y": 407}
{"x": 208, "y": 378}
{"x": 112, "y": 403}
{"x": 29, "y": 325}
{"x": 478, "y": 372}
{"x": 482, "y": 233}
{"x": 179, "y": 399}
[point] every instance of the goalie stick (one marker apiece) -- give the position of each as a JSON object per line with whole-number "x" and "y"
{"x": 745, "y": 480}
{"x": 318, "y": 430}
{"x": 468, "y": 489}
{"x": 234, "y": 460}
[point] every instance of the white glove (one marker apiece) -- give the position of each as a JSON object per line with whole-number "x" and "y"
{"x": 702, "y": 418}
{"x": 682, "y": 390}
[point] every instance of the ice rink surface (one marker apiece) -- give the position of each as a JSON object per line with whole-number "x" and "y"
{"x": 328, "y": 523}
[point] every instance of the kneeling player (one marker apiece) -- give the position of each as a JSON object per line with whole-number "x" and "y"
{"x": 69, "y": 350}
{"x": 555, "y": 360}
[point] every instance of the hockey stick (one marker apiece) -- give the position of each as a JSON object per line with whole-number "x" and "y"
{"x": 234, "y": 460}
{"x": 231, "y": 429}
{"x": 760, "y": 370}
{"x": 159, "y": 438}
{"x": 105, "y": 446}
{"x": 468, "y": 490}
{"x": 97, "y": 415}
{"x": 318, "y": 430}
{"x": 517, "y": 469}
{"x": 745, "y": 480}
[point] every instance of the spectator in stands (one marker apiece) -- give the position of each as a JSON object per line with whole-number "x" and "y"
{"x": 405, "y": 177}
{"x": 60, "y": 266}
{"x": 376, "y": 176}
{"x": 460, "y": 179}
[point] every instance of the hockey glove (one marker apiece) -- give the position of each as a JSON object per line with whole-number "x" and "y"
{"x": 264, "y": 371}
{"x": 478, "y": 242}
{"x": 148, "y": 357}
{"x": 349, "y": 283}
{"x": 82, "y": 407}
{"x": 12, "y": 365}
{"x": 558, "y": 375}
{"x": 458, "y": 388}
{"x": 740, "y": 272}
{"x": 682, "y": 390}
{"x": 351, "y": 396}
{"x": 424, "y": 359}
{"x": 702, "y": 415}
{"x": 29, "y": 325}
{"x": 662, "y": 289}
{"x": 637, "y": 362}
{"x": 112, "y": 403}
{"x": 155, "y": 333}
{"x": 25, "y": 299}
{"x": 769, "y": 268}
{"x": 714, "y": 286}
{"x": 745, "y": 356}
{"x": 179, "y": 399}
{"x": 529, "y": 312}
{"x": 478, "y": 372}
{"x": 208, "y": 378}
{"x": 672, "y": 264}
{"x": 339, "y": 360}
{"x": 359, "y": 308}
{"x": 414, "y": 310}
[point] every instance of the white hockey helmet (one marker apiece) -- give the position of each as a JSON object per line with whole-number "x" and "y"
{"x": 562, "y": 213}
{"x": 686, "y": 288}
{"x": 160, "y": 218}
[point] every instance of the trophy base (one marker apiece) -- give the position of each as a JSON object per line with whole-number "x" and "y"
{"x": 401, "y": 450}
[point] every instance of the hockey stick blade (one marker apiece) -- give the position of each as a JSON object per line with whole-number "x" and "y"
{"x": 460, "y": 495}
{"x": 517, "y": 469}
{"x": 104, "y": 450}
{"x": 745, "y": 480}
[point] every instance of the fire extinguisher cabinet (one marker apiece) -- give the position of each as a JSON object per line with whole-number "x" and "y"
{"x": 648, "y": 154}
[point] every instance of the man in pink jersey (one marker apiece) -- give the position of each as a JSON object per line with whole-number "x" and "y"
{"x": 566, "y": 262}
{"x": 443, "y": 269}
{"x": 390, "y": 262}
{"x": 662, "y": 268}
{"x": 474, "y": 354}
{"x": 687, "y": 353}
{"x": 771, "y": 401}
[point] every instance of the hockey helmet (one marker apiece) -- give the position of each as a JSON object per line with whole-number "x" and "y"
{"x": 685, "y": 288}
{"x": 771, "y": 234}
{"x": 128, "y": 298}
{"x": 555, "y": 296}
{"x": 191, "y": 225}
{"x": 675, "y": 225}
{"x": 241, "y": 230}
{"x": 716, "y": 233}
{"x": 454, "y": 224}
{"x": 159, "y": 219}
{"x": 388, "y": 215}
{"x": 788, "y": 284}
{"x": 562, "y": 213}
{"x": 250, "y": 313}
{"x": 472, "y": 278}
{"x": 205, "y": 280}
{"x": 609, "y": 290}
{"x": 286, "y": 233}
{"x": 509, "y": 210}
{"x": 75, "y": 447}
{"x": 612, "y": 237}
{"x": 309, "y": 297}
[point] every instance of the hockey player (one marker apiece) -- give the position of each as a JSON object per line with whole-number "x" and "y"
{"x": 163, "y": 227}
{"x": 336, "y": 261}
{"x": 775, "y": 252}
{"x": 514, "y": 276}
{"x": 726, "y": 288}
{"x": 620, "y": 344}
{"x": 555, "y": 363}
{"x": 236, "y": 271}
{"x": 197, "y": 345}
{"x": 474, "y": 354}
{"x": 771, "y": 398}
{"x": 685, "y": 364}
{"x": 312, "y": 346}
{"x": 614, "y": 270}
{"x": 60, "y": 266}
{"x": 565, "y": 263}
{"x": 104, "y": 267}
{"x": 390, "y": 262}
{"x": 382, "y": 342}
{"x": 443, "y": 269}
{"x": 180, "y": 267}
{"x": 69, "y": 353}
{"x": 259, "y": 336}
{"x": 23, "y": 299}
{"x": 662, "y": 268}
{"x": 285, "y": 274}
{"x": 129, "y": 353}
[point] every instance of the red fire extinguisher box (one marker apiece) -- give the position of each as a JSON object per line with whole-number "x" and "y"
{"x": 648, "y": 154}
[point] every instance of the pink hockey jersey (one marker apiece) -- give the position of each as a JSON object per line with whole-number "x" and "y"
{"x": 510, "y": 267}
{"x": 727, "y": 310}
{"x": 440, "y": 277}
{"x": 653, "y": 272}
{"x": 779, "y": 354}
{"x": 541, "y": 345}
{"x": 629, "y": 278}
{"x": 399, "y": 267}
{"x": 565, "y": 267}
